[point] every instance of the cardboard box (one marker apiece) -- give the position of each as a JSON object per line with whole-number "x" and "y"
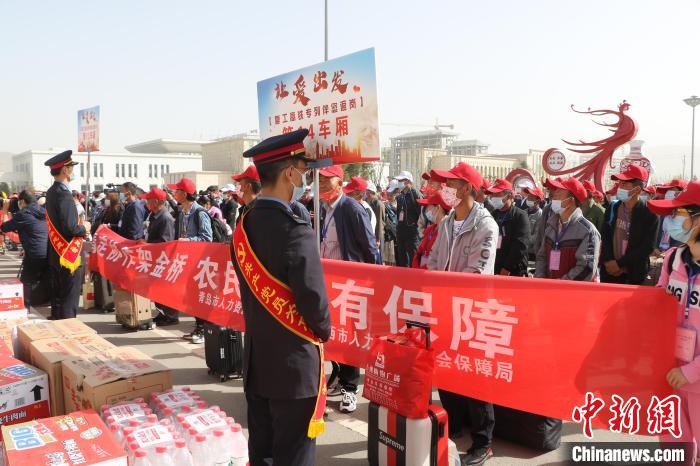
{"x": 120, "y": 374}
{"x": 8, "y": 332}
{"x": 48, "y": 353}
{"x": 41, "y": 330}
{"x": 131, "y": 309}
{"x": 78, "y": 438}
{"x": 24, "y": 392}
{"x": 11, "y": 294}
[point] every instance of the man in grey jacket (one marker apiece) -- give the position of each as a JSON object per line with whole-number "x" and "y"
{"x": 466, "y": 242}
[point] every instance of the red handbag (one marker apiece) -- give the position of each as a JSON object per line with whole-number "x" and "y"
{"x": 399, "y": 371}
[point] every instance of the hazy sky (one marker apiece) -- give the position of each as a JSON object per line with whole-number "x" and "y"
{"x": 504, "y": 72}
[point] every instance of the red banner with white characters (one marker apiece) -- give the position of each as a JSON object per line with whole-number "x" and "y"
{"x": 535, "y": 345}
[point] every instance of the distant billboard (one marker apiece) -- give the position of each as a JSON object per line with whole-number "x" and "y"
{"x": 89, "y": 129}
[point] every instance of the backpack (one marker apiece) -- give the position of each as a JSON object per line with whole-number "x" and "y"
{"x": 218, "y": 231}
{"x": 390, "y": 221}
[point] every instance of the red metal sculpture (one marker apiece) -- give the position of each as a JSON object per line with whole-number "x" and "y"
{"x": 624, "y": 129}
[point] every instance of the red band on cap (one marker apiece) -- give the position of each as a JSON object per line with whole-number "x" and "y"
{"x": 283, "y": 151}
{"x": 60, "y": 164}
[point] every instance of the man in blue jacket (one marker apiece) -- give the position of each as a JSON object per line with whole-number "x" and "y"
{"x": 30, "y": 224}
{"x": 346, "y": 234}
{"x": 131, "y": 225}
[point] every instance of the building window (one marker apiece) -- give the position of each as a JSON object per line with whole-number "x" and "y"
{"x": 136, "y": 171}
{"x": 99, "y": 187}
{"x": 102, "y": 170}
{"x": 167, "y": 169}
{"x": 117, "y": 171}
{"x": 123, "y": 171}
{"x": 155, "y": 171}
{"x": 150, "y": 170}
{"x": 162, "y": 170}
{"x": 82, "y": 170}
{"x": 94, "y": 170}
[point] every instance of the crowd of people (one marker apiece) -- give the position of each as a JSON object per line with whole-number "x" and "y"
{"x": 453, "y": 220}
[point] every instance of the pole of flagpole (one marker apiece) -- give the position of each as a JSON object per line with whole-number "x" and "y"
{"x": 87, "y": 194}
{"x": 317, "y": 200}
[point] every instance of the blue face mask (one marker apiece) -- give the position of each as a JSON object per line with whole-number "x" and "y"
{"x": 299, "y": 190}
{"x": 674, "y": 227}
{"x": 623, "y": 194}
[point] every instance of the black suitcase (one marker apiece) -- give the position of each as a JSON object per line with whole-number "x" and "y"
{"x": 104, "y": 295}
{"x": 527, "y": 429}
{"x": 223, "y": 351}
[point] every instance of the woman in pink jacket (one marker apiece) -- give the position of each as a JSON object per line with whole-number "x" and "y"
{"x": 683, "y": 282}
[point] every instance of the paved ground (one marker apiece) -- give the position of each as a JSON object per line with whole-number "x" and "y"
{"x": 345, "y": 440}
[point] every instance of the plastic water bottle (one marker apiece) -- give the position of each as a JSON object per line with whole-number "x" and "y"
{"x": 200, "y": 451}
{"x": 162, "y": 457}
{"x": 181, "y": 455}
{"x": 220, "y": 448}
{"x": 141, "y": 458}
{"x": 239, "y": 446}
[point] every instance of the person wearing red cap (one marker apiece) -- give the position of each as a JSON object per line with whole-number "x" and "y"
{"x": 513, "y": 230}
{"x": 249, "y": 187}
{"x": 466, "y": 242}
{"x": 192, "y": 223}
{"x": 161, "y": 229}
{"x": 669, "y": 191}
{"x": 533, "y": 199}
{"x": 434, "y": 208}
{"x": 680, "y": 269}
{"x": 571, "y": 242}
{"x": 357, "y": 189}
{"x": 592, "y": 211}
{"x": 346, "y": 234}
{"x": 629, "y": 237}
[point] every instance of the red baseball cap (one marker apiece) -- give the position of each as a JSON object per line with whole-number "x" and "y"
{"x": 333, "y": 170}
{"x": 251, "y": 173}
{"x": 572, "y": 185}
{"x": 549, "y": 183}
{"x": 589, "y": 186}
{"x": 598, "y": 195}
{"x": 425, "y": 176}
{"x": 356, "y": 184}
{"x": 154, "y": 193}
{"x": 435, "y": 199}
{"x": 680, "y": 184}
{"x": 633, "y": 172}
{"x": 537, "y": 192}
{"x": 690, "y": 196}
{"x": 651, "y": 190}
{"x": 486, "y": 184}
{"x": 462, "y": 171}
{"x": 612, "y": 191}
{"x": 499, "y": 185}
{"x": 185, "y": 185}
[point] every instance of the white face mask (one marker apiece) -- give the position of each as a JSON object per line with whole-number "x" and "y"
{"x": 449, "y": 195}
{"x": 557, "y": 206}
{"x": 670, "y": 195}
{"x": 430, "y": 215}
{"x": 623, "y": 194}
{"x": 497, "y": 202}
{"x": 530, "y": 204}
{"x": 644, "y": 198}
{"x": 107, "y": 202}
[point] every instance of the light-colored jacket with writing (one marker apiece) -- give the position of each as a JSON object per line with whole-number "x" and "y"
{"x": 474, "y": 248}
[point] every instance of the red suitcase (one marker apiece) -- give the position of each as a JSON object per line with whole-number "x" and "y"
{"x": 395, "y": 440}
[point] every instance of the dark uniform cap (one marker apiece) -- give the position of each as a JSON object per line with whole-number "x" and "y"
{"x": 61, "y": 160}
{"x": 276, "y": 148}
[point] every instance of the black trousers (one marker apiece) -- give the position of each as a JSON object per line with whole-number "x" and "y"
{"x": 349, "y": 377}
{"x": 478, "y": 414}
{"x": 65, "y": 291}
{"x": 277, "y": 430}
{"x": 406, "y": 245}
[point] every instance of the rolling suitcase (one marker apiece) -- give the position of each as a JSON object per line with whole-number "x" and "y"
{"x": 132, "y": 311}
{"x": 396, "y": 440}
{"x": 223, "y": 351}
{"x": 104, "y": 295}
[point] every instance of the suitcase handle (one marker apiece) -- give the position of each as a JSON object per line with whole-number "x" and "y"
{"x": 425, "y": 327}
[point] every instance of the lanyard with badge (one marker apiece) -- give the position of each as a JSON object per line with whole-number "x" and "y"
{"x": 555, "y": 253}
{"x": 685, "y": 337}
{"x": 327, "y": 223}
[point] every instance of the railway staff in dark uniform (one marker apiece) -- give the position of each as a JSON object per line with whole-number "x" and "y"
{"x": 65, "y": 238}
{"x": 284, "y": 384}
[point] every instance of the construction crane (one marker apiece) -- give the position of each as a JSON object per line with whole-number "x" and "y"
{"x": 437, "y": 125}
